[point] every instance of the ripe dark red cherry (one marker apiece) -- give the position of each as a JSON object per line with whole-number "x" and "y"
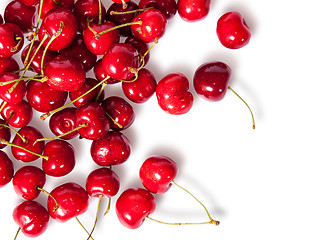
{"x": 193, "y": 10}
{"x": 48, "y": 5}
{"x": 8, "y": 65}
{"x": 19, "y": 91}
{"x": 63, "y": 121}
{"x": 141, "y": 46}
{"x": 173, "y": 94}
{"x": 101, "y": 74}
{"x": 26, "y": 181}
{"x": 32, "y": 218}
{"x": 232, "y": 30}
{"x": 20, "y": 14}
{"x": 18, "y": 115}
{"x": 133, "y": 206}
{"x": 6, "y": 169}
{"x": 157, "y": 173}
{"x": 72, "y": 200}
{"x": 153, "y": 25}
{"x": 11, "y": 40}
{"x": 167, "y": 7}
{"x": 113, "y": 149}
{"x": 4, "y": 133}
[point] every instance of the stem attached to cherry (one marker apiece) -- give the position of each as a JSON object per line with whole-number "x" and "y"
{"x": 129, "y": 12}
{"x": 7, "y": 126}
{"x": 3, "y": 141}
{"x": 44, "y": 191}
{"x": 114, "y": 121}
{"x": 17, "y": 233}
{"x": 108, "y": 207}
{"x": 97, "y": 214}
{"x": 19, "y": 39}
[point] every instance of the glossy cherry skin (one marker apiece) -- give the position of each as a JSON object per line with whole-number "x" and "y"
{"x": 120, "y": 111}
{"x": 65, "y": 74}
{"x": 19, "y": 91}
{"x": 102, "y": 181}
{"x": 43, "y": 98}
{"x": 20, "y": 14}
{"x": 26, "y": 180}
{"x": 100, "y": 45}
{"x": 52, "y": 22}
{"x": 232, "y": 30}
{"x": 72, "y": 200}
{"x": 173, "y": 94}
{"x": 80, "y": 52}
{"x": 167, "y": 7}
{"x": 63, "y": 121}
{"x": 11, "y": 39}
{"x": 94, "y": 115}
{"x": 118, "y": 61}
{"x": 6, "y": 169}
{"x": 61, "y": 158}
{"x": 36, "y": 62}
{"x": 153, "y": 25}
{"x": 29, "y": 2}
{"x": 18, "y": 115}
{"x": 49, "y": 5}
{"x": 84, "y": 9}
{"x": 142, "y": 89}
{"x": 119, "y": 19}
{"x": 211, "y": 80}
{"x": 32, "y": 218}
{"x": 141, "y": 46}
{"x": 4, "y": 133}
{"x": 8, "y": 65}
{"x": 192, "y": 11}
{"x": 100, "y": 73}
{"x": 133, "y": 205}
{"x": 113, "y": 149}
{"x": 30, "y": 134}
{"x": 157, "y": 173}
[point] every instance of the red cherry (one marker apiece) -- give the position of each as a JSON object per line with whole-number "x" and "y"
{"x": 60, "y": 158}
{"x": 18, "y": 115}
{"x": 193, "y": 10}
{"x": 142, "y": 89}
{"x": 141, "y": 46}
{"x": 133, "y": 205}
{"x": 32, "y": 218}
{"x": 1, "y": 19}
{"x": 173, "y": 94}
{"x": 65, "y": 74}
{"x": 11, "y": 40}
{"x": 101, "y": 74}
{"x": 157, "y": 173}
{"x": 84, "y": 9}
{"x": 167, "y": 7}
{"x": 43, "y": 98}
{"x": 113, "y": 149}
{"x": 4, "y": 133}
{"x": 152, "y": 27}
{"x": 26, "y": 181}
{"x": 120, "y": 112}
{"x": 232, "y": 30}
{"x": 63, "y": 121}
{"x": 29, "y": 2}
{"x": 8, "y": 65}
{"x": 48, "y": 5}
{"x": 19, "y": 91}
{"x": 72, "y": 200}
{"x": 6, "y": 169}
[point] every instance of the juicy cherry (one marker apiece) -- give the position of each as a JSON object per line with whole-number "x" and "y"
{"x": 193, "y": 10}
{"x": 6, "y": 169}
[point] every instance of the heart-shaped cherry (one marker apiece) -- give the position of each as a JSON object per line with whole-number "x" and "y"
{"x": 8, "y": 65}
{"x": 17, "y": 115}
{"x": 167, "y": 7}
{"x": 11, "y": 40}
{"x": 20, "y": 14}
{"x": 193, "y": 10}
{"x": 6, "y": 169}
{"x": 173, "y": 94}
{"x": 63, "y": 122}
{"x": 232, "y": 30}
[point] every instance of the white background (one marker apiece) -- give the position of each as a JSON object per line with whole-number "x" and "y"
{"x": 275, "y": 182}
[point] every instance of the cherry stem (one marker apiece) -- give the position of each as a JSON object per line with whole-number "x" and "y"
{"x": 19, "y": 39}
{"x": 245, "y": 104}
{"x": 83, "y": 227}
{"x": 44, "y": 191}
{"x": 3, "y": 104}
{"x": 46, "y": 115}
{"x": 142, "y": 58}
{"x": 97, "y": 214}
{"x": 108, "y": 207}
{"x": 18, "y": 80}
{"x": 7, "y": 126}
{"x": 167, "y": 223}
{"x": 101, "y": 90}
{"x": 57, "y": 3}
{"x": 100, "y": 12}
{"x": 129, "y": 12}
{"x": 64, "y": 134}
{"x": 17, "y": 233}
{"x": 3, "y": 141}
{"x": 135, "y": 72}
{"x": 98, "y": 35}
{"x": 114, "y": 121}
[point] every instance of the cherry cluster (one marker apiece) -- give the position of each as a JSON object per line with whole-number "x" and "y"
{"x": 65, "y": 40}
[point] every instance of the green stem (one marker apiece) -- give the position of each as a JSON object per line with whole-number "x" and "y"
{"x": 83, "y": 227}
{"x": 167, "y": 223}
{"x": 108, "y": 207}
{"x": 97, "y": 214}
{"x": 100, "y": 12}
{"x": 19, "y": 39}
{"x": 17, "y": 233}
{"x": 129, "y": 12}
{"x": 114, "y": 121}
{"x": 7, "y": 126}
{"x": 98, "y": 35}
{"x": 99, "y": 94}
{"x": 44, "y": 191}
{"x": 25, "y": 149}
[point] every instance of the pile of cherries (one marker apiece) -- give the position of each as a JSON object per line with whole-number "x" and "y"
{"x": 65, "y": 39}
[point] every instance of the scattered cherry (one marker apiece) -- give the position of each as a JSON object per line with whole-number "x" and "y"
{"x": 193, "y": 10}
{"x": 17, "y": 115}
{"x": 63, "y": 122}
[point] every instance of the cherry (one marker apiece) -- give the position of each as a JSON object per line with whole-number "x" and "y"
{"x": 121, "y": 61}
{"x": 64, "y": 74}
{"x": 133, "y": 206}
{"x": 142, "y": 89}
{"x": 59, "y": 158}
{"x": 119, "y": 111}
{"x": 8, "y": 65}
{"x": 93, "y": 117}
{"x": 11, "y": 40}
{"x": 17, "y": 115}
{"x": 20, "y": 14}
{"x": 152, "y": 27}
{"x": 167, "y": 7}
{"x": 72, "y": 200}
{"x": 6, "y": 169}
{"x": 28, "y": 181}
{"x": 141, "y": 46}
{"x": 43, "y": 98}
{"x": 157, "y": 173}
{"x": 193, "y": 10}
{"x": 211, "y": 81}
{"x": 113, "y": 149}
{"x": 32, "y": 218}
{"x": 101, "y": 74}
{"x": 1, "y": 19}
{"x": 84, "y": 9}
{"x": 4, "y": 132}
{"x": 48, "y": 5}
{"x": 100, "y": 44}
{"x": 124, "y": 18}
{"x": 29, "y": 2}
{"x": 232, "y": 30}
{"x": 80, "y": 52}
{"x": 17, "y": 94}
{"x": 173, "y": 94}
{"x": 63, "y": 121}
